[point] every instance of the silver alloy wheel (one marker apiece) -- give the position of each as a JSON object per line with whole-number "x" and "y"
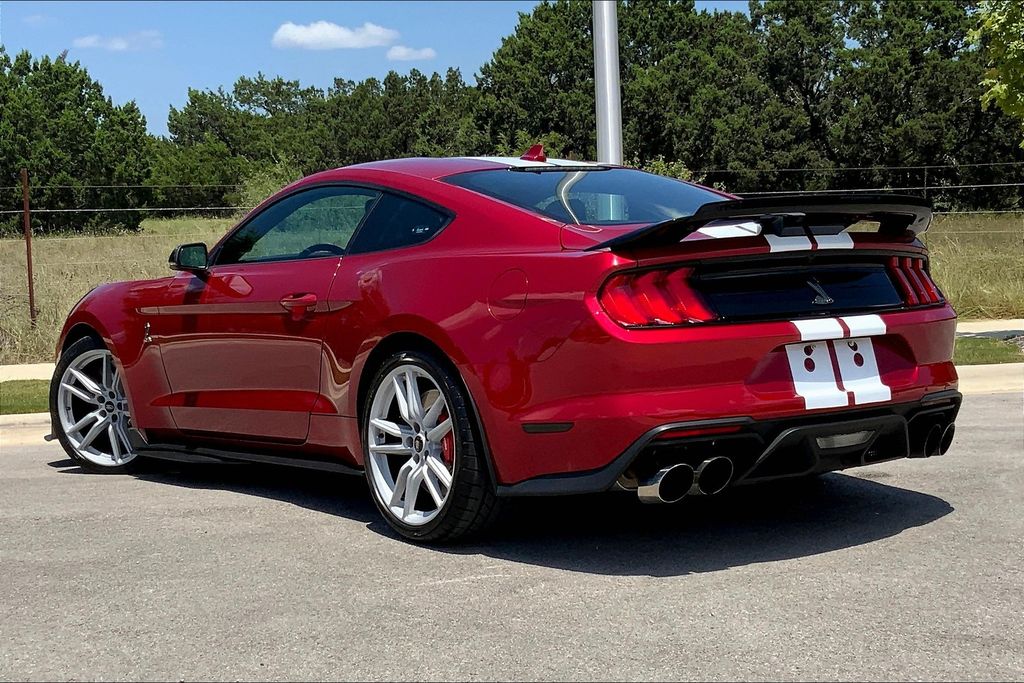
{"x": 93, "y": 409}
{"x": 411, "y": 445}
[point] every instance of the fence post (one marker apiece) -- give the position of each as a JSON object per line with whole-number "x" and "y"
{"x": 27, "y": 220}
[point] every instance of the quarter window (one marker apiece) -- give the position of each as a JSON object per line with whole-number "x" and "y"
{"x": 308, "y": 224}
{"x": 398, "y": 222}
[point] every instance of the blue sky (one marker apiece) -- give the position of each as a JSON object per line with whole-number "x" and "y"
{"x": 153, "y": 52}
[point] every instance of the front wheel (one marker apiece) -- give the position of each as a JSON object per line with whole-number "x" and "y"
{"x": 89, "y": 408}
{"x": 424, "y": 464}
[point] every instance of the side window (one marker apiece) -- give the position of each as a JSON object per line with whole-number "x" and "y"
{"x": 308, "y": 224}
{"x": 398, "y": 222}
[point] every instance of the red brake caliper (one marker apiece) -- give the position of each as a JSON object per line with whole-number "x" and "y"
{"x": 448, "y": 442}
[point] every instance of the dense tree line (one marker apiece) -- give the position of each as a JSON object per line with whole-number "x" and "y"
{"x": 849, "y": 88}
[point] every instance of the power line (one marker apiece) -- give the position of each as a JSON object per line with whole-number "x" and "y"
{"x": 137, "y": 208}
{"x": 116, "y": 187}
{"x": 815, "y": 169}
{"x": 936, "y": 188}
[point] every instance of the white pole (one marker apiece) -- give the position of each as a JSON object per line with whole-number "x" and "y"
{"x": 606, "y": 78}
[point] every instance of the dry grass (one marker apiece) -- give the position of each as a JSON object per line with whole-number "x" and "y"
{"x": 978, "y": 262}
{"x": 977, "y": 259}
{"x": 67, "y": 268}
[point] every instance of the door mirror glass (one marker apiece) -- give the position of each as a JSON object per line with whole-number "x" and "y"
{"x": 189, "y": 257}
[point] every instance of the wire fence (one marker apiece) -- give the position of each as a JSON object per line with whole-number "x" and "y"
{"x": 105, "y": 249}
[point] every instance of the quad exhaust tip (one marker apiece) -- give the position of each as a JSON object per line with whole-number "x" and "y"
{"x": 947, "y": 438}
{"x": 668, "y": 485}
{"x": 933, "y": 441}
{"x": 930, "y": 440}
{"x": 712, "y": 476}
{"x": 673, "y": 483}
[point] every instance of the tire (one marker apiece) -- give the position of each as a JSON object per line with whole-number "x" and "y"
{"x": 414, "y": 441}
{"x": 91, "y": 426}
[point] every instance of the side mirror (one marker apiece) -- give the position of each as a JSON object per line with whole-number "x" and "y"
{"x": 189, "y": 257}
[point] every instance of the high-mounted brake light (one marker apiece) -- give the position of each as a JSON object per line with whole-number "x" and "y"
{"x": 915, "y": 284}
{"x": 653, "y": 298}
{"x": 535, "y": 153}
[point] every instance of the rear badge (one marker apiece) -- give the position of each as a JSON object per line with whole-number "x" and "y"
{"x": 822, "y": 298}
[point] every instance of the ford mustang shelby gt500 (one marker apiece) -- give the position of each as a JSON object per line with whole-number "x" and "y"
{"x": 466, "y": 329}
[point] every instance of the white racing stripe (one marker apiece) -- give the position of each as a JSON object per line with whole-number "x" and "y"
{"x": 830, "y": 328}
{"x": 795, "y": 243}
{"x": 525, "y": 163}
{"x": 724, "y": 229}
{"x": 810, "y": 362}
{"x": 813, "y": 377}
{"x": 859, "y": 371}
{"x": 864, "y": 325}
{"x": 820, "y": 328}
{"x": 841, "y": 241}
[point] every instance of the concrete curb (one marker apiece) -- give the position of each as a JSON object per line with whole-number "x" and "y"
{"x": 992, "y": 378}
{"x": 974, "y": 379}
{"x": 999, "y": 329}
{"x": 27, "y": 371}
{"x": 24, "y": 420}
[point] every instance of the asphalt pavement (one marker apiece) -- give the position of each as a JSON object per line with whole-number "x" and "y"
{"x": 910, "y": 570}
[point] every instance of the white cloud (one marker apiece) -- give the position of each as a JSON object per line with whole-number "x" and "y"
{"x": 401, "y": 53}
{"x": 325, "y": 35}
{"x": 35, "y": 19}
{"x": 141, "y": 40}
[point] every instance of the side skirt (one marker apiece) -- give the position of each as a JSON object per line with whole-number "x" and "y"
{"x": 199, "y": 454}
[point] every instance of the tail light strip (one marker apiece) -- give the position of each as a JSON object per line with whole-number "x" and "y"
{"x": 653, "y": 298}
{"x": 659, "y": 298}
{"x": 915, "y": 283}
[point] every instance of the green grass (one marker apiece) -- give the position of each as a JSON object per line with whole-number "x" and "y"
{"x": 977, "y": 259}
{"x": 24, "y": 396}
{"x": 981, "y": 350}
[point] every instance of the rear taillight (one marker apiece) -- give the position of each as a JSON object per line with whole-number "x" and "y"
{"x": 653, "y": 298}
{"x": 914, "y": 282}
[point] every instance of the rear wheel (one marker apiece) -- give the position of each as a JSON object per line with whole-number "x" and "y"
{"x": 423, "y": 461}
{"x": 89, "y": 408}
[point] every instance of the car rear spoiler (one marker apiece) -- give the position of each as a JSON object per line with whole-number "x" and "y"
{"x": 790, "y": 214}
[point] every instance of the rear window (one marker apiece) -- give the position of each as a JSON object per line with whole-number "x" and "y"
{"x": 611, "y": 196}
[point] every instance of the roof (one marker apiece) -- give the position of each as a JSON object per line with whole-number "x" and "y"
{"x": 439, "y": 167}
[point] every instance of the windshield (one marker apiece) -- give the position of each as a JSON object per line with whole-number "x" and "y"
{"x": 610, "y": 196}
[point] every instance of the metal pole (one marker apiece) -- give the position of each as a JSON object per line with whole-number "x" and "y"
{"x": 606, "y": 79}
{"x": 27, "y": 224}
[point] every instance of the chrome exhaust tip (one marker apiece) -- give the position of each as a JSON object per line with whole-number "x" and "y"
{"x": 933, "y": 441}
{"x": 712, "y": 476}
{"x": 668, "y": 485}
{"x": 947, "y": 438}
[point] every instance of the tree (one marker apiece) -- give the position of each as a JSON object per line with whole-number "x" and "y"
{"x": 541, "y": 79}
{"x": 1001, "y": 36}
{"x": 908, "y": 95}
{"x": 56, "y": 122}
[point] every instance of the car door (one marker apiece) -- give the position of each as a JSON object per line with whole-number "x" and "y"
{"x": 242, "y": 342}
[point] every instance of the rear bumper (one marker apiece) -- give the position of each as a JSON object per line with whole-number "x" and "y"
{"x": 766, "y": 449}
{"x": 585, "y": 401}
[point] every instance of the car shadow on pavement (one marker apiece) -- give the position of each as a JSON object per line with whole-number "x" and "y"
{"x": 335, "y": 494}
{"x": 615, "y": 534}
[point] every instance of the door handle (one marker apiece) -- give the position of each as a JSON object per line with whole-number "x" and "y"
{"x": 299, "y": 304}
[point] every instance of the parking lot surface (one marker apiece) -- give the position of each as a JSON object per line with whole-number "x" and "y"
{"x": 908, "y": 569}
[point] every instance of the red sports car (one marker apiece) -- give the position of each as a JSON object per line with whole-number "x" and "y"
{"x": 467, "y": 329}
